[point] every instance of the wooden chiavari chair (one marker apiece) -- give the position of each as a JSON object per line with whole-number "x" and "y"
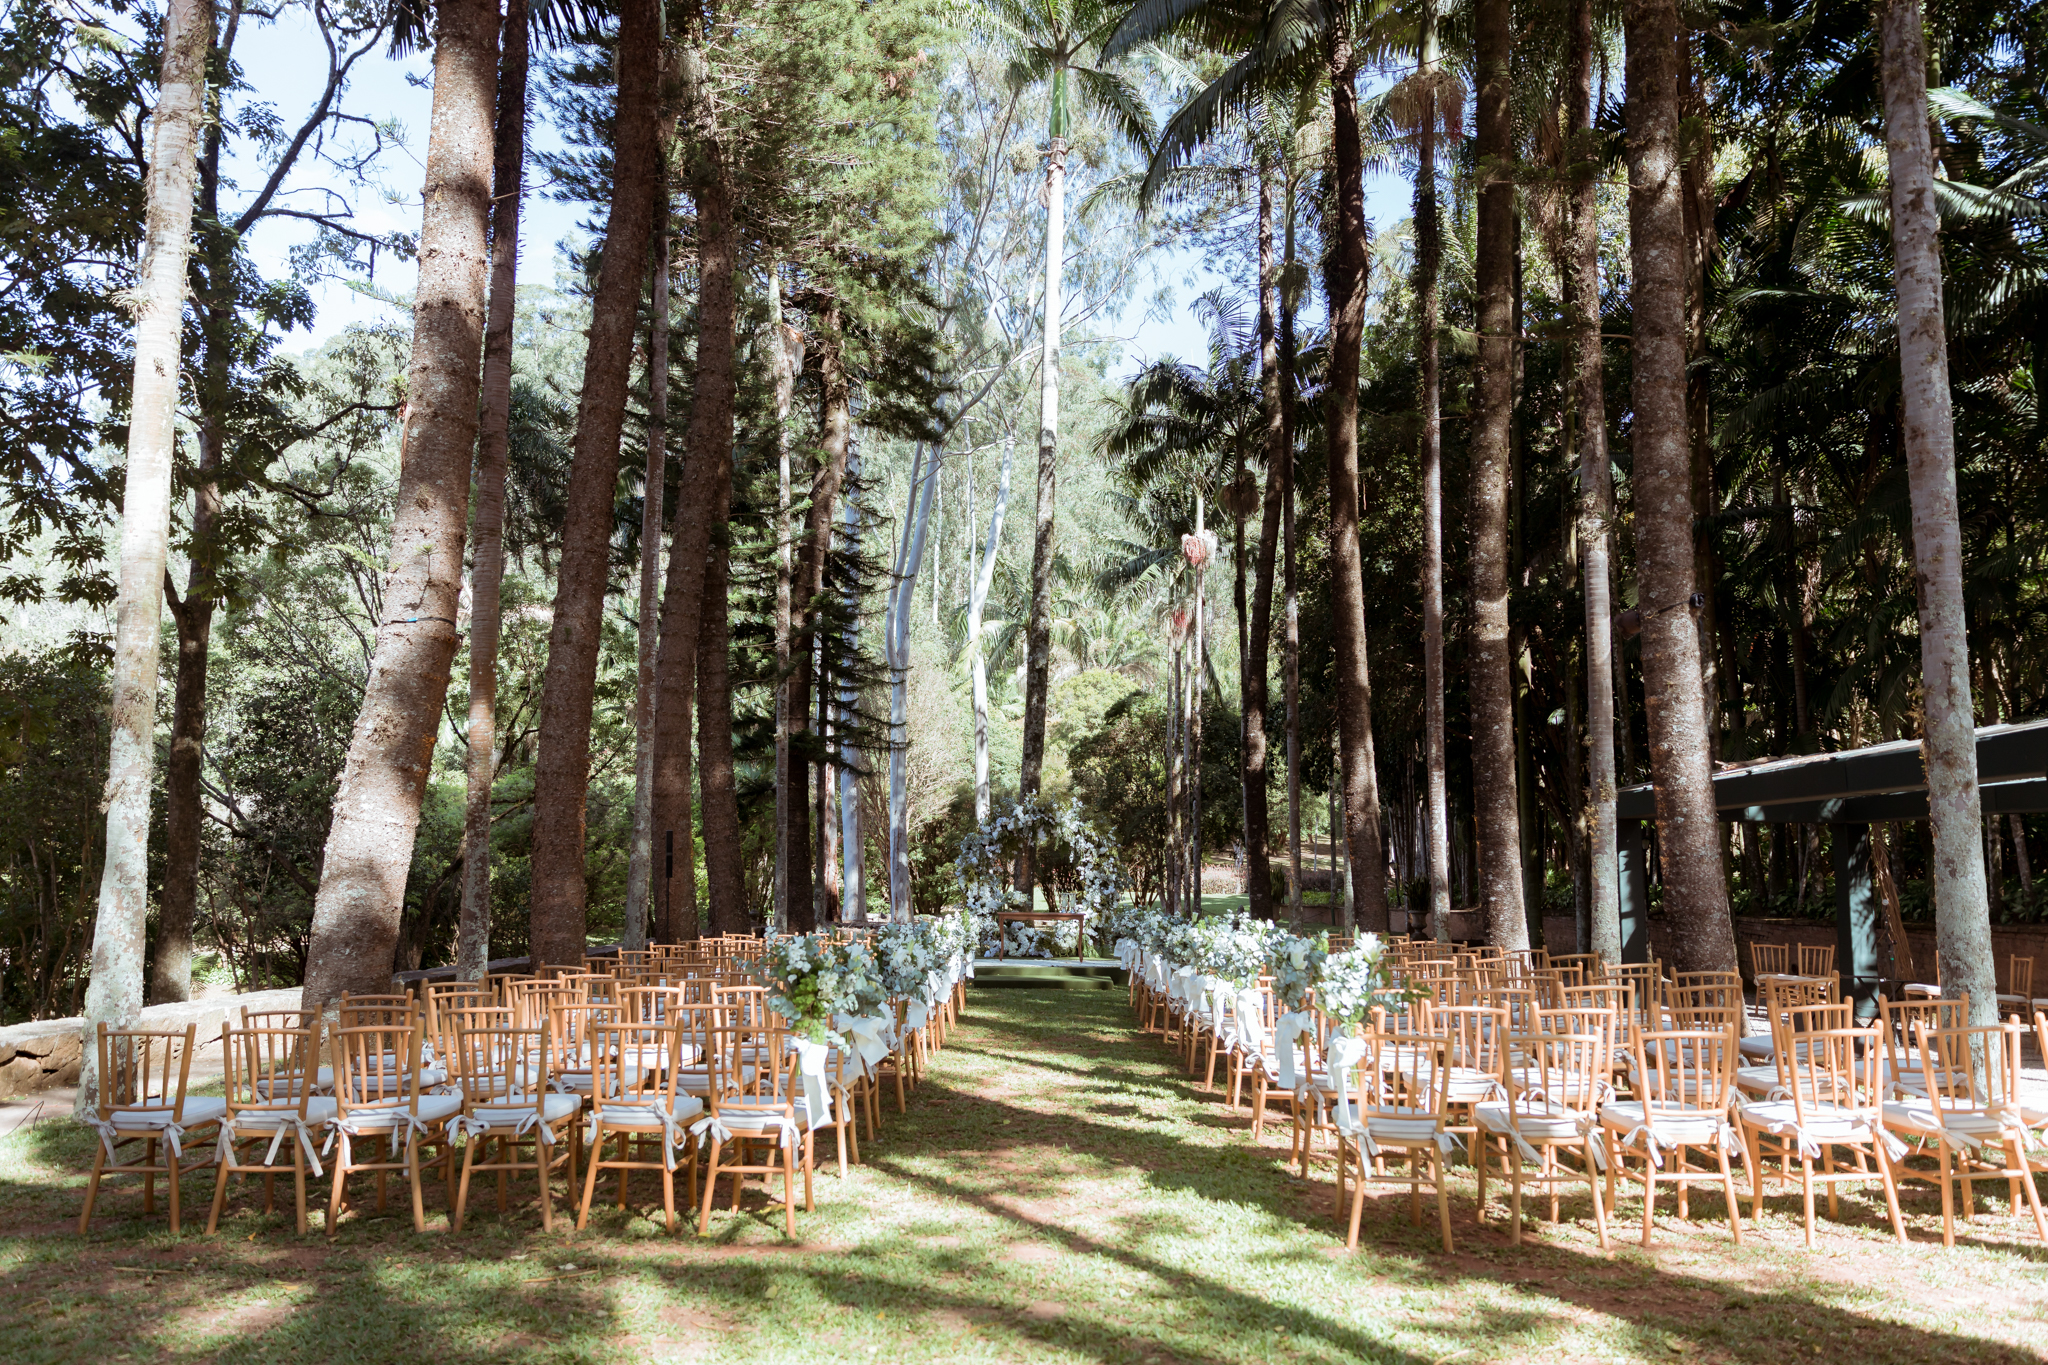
{"x": 1550, "y": 1107}
{"x": 1684, "y": 1081}
{"x": 269, "y": 1097}
{"x": 142, "y": 1080}
{"x": 507, "y": 1100}
{"x": 378, "y": 1096}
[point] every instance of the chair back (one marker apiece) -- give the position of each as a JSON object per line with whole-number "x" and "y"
{"x": 287, "y": 1019}
{"x": 1832, "y": 1064}
{"x": 1769, "y": 959}
{"x": 496, "y": 1063}
{"x": 1693, "y": 1003}
{"x": 1686, "y": 1071}
{"x": 1816, "y": 959}
{"x": 633, "y": 1063}
{"x": 1568, "y": 1071}
{"x": 747, "y": 1061}
{"x": 1971, "y": 1069}
{"x": 1477, "y": 1035}
{"x": 143, "y": 1071}
{"x": 377, "y": 1066}
{"x": 2019, "y": 978}
{"x": 269, "y": 1069}
{"x": 1404, "y": 1076}
{"x": 1579, "y": 1022}
{"x": 531, "y": 999}
{"x": 376, "y": 1011}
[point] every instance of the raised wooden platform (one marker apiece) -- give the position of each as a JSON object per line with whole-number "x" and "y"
{"x": 1058, "y": 973}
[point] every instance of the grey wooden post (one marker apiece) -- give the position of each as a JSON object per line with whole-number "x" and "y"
{"x": 1855, "y": 917}
{"x": 1635, "y": 892}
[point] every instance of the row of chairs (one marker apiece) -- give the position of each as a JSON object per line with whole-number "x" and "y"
{"x": 698, "y": 1076}
{"x": 1628, "y": 1078}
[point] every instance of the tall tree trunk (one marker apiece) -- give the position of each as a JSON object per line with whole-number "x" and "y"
{"x": 391, "y": 751}
{"x": 708, "y": 461}
{"x": 853, "y": 887}
{"x": 977, "y": 602}
{"x": 835, "y": 431}
{"x": 487, "y": 574}
{"x": 640, "y": 855}
{"x": 924, "y": 492}
{"x": 789, "y": 362}
{"x": 1962, "y": 921}
{"x": 1688, "y": 830}
{"x": 1367, "y": 907}
{"x": 1596, "y": 496}
{"x": 1290, "y": 662}
{"x": 1038, "y": 626}
{"x": 1258, "y": 832}
{"x": 568, "y": 690}
{"x": 723, "y": 878}
{"x": 113, "y": 994}
{"x": 1428, "y": 272}
{"x": 1496, "y": 803}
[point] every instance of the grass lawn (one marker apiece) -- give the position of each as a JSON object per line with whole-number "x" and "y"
{"x": 1057, "y": 1192}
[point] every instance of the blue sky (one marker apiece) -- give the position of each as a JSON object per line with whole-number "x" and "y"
{"x": 285, "y": 64}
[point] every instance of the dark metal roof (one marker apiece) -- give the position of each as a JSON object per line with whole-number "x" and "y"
{"x": 1881, "y": 782}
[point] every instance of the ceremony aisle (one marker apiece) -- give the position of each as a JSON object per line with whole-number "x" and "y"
{"x": 1057, "y": 1191}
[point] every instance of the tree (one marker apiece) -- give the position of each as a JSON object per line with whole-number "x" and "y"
{"x": 1345, "y": 267}
{"x": 1949, "y": 744}
{"x": 377, "y": 808}
{"x": 562, "y": 768}
{"x": 508, "y": 186}
{"x": 1688, "y": 829}
{"x": 114, "y": 994}
{"x": 1596, "y": 489}
{"x": 1050, "y": 40}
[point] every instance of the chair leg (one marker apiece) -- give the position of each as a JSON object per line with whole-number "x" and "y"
{"x": 412, "y": 1175}
{"x": 1443, "y": 1199}
{"x": 1806, "y": 1190}
{"x": 668, "y": 1193}
{"x": 334, "y": 1200}
{"x": 1948, "y": 1200}
{"x": 789, "y": 1189}
{"x": 1514, "y": 1166}
{"x": 220, "y": 1194}
{"x": 92, "y": 1188}
{"x": 710, "y": 1189}
{"x": 1728, "y": 1192}
{"x": 2018, "y": 1155}
{"x": 1891, "y": 1188}
{"x": 1593, "y": 1188}
{"x": 462, "y": 1189}
{"x": 299, "y": 1184}
{"x": 547, "y": 1189}
{"x": 173, "y": 1166}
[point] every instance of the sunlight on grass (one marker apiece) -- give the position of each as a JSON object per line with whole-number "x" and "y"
{"x": 1058, "y": 1192}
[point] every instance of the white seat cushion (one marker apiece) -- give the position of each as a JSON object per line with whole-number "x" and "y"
{"x": 199, "y": 1110}
{"x": 1823, "y": 1123}
{"x": 686, "y": 1107}
{"x": 553, "y": 1109}
{"x": 319, "y": 1109}
{"x": 433, "y": 1109}
{"x": 1758, "y": 1047}
{"x": 1691, "y": 1128}
{"x": 1536, "y": 1121}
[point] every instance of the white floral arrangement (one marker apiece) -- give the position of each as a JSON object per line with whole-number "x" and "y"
{"x": 905, "y": 954}
{"x": 987, "y": 855}
{"x": 1026, "y": 940}
{"x": 1230, "y": 950}
{"x": 1297, "y": 967}
{"x": 812, "y": 977}
{"x": 1352, "y": 982}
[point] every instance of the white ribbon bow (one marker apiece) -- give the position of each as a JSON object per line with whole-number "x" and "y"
{"x": 108, "y": 1132}
{"x": 1289, "y": 1029}
{"x": 810, "y": 1060}
{"x": 293, "y": 1126}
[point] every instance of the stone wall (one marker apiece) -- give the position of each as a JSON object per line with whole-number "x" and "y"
{"x": 48, "y": 1052}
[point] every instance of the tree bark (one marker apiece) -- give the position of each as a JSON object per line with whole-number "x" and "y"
{"x": 788, "y": 357}
{"x": 113, "y": 994}
{"x": 924, "y": 492}
{"x": 708, "y": 465}
{"x": 391, "y": 751}
{"x": 653, "y": 484}
{"x": 568, "y": 690}
{"x": 1688, "y": 830}
{"x": 1596, "y": 495}
{"x": 717, "y": 789}
{"x": 1495, "y": 796}
{"x": 1962, "y": 921}
{"x": 487, "y": 572}
{"x": 977, "y": 602}
{"x": 1367, "y": 908}
{"x": 1252, "y": 688}
{"x": 1038, "y": 625}
{"x": 835, "y": 431}
{"x": 1290, "y": 661}
{"x": 1429, "y": 270}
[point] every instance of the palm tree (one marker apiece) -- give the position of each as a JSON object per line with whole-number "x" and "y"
{"x": 114, "y": 992}
{"x": 376, "y": 809}
{"x": 1051, "y": 41}
{"x": 1688, "y": 829}
{"x": 1962, "y": 909}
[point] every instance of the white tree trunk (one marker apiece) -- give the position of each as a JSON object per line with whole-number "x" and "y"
{"x": 977, "y": 601}
{"x": 924, "y": 476}
{"x": 1038, "y": 629}
{"x": 853, "y": 896}
{"x": 113, "y": 995}
{"x": 640, "y": 859}
{"x": 1961, "y": 909}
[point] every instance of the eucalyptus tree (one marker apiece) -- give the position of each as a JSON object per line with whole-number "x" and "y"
{"x": 1055, "y": 41}
{"x": 114, "y": 993}
{"x": 376, "y": 810}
